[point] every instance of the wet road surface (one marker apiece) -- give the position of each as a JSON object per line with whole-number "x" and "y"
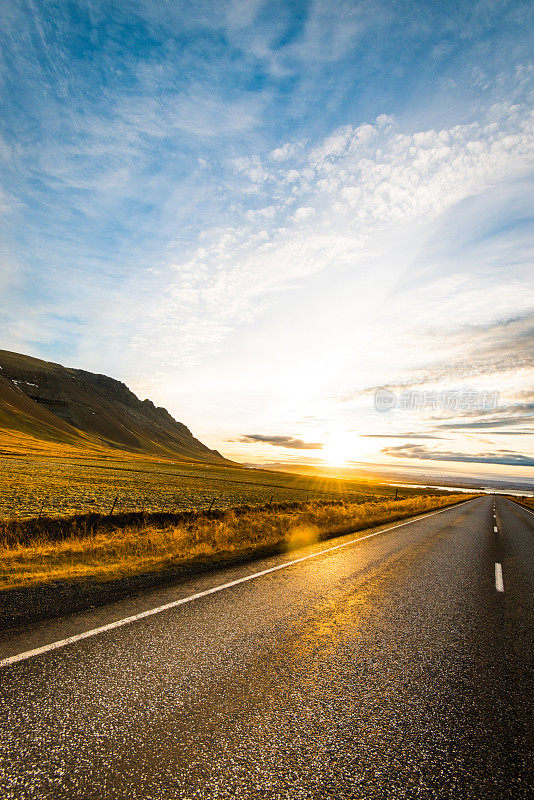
{"x": 390, "y": 668}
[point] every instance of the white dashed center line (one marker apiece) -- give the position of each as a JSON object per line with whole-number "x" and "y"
{"x": 499, "y": 583}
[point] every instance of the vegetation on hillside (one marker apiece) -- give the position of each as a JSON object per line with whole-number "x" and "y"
{"x": 43, "y": 402}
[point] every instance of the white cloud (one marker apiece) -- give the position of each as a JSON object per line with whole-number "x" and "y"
{"x": 303, "y": 213}
{"x": 360, "y": 190}
{"x": 286, "y": 151}
{"x": 268, "y": 212}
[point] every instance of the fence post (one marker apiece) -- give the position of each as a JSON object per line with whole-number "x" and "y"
{"x": 113, "y": 506}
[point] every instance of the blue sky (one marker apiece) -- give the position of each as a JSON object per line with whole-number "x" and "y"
{"x": 256, "y": 213}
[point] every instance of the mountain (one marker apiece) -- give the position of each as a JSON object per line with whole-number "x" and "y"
{"x": 71, "y": 406}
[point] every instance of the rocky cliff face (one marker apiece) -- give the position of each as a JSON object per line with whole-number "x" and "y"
{"x": 103, "y": 408}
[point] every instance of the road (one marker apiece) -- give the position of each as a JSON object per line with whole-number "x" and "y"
{"x": 393, "y": 667}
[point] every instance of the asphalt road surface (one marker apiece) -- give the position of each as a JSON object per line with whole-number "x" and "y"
{"x": 397, "y": 667}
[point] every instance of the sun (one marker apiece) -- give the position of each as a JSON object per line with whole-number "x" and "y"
{"x": 340, "y": 448}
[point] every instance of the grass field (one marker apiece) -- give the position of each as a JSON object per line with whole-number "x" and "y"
{"x": 107, "y": 551}
{"x": 55, "y": 521}
{"x": 62, "y": 485}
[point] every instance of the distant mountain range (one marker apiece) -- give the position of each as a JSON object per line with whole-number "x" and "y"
{"x": 48, "y": 402}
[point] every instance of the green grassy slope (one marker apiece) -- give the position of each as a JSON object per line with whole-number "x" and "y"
{"x": 51, "y": 402}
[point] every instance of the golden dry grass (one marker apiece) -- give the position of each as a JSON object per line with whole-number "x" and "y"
{"x": 124, "y": 551}
{"x": 527, "y": 502}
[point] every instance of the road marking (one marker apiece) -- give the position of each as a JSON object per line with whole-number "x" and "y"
{"x": 525, "y": 508}
{"x": 198, "y": 595}
{"x": 495, "y": 530}
{"x": 499, "y": 583}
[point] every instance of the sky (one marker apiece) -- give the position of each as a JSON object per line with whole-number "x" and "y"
{"x": 305, "y": 228}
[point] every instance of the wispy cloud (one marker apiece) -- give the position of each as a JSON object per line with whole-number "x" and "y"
{"x": 281, "y": 441}
{"x": 400, "y": 436}
{"x": 498, "y": 422}
{"x": 331, "y": 204}
{"x": 503, "y": 457}
{"x": 474, "y": 350}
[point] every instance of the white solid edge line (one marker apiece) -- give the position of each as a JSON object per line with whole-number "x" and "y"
{"x": 175, "y": 603}
{"x": 525, "y": 508}
{"x": 499, "y": 583}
